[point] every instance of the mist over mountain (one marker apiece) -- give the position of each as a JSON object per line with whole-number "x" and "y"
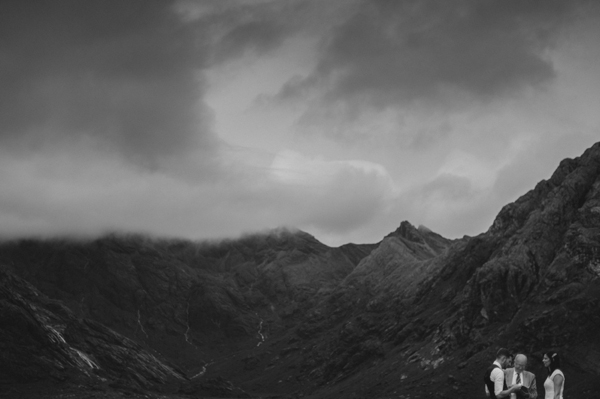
{"x": 281, "y": 315}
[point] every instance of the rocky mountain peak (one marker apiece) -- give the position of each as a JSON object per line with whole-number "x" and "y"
{"x": 419, "y": 240}
{"x": 409, "y": 232}
{"x": 565, "y": 190}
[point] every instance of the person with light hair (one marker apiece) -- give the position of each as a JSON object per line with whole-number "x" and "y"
{"x": 518, "y": 375}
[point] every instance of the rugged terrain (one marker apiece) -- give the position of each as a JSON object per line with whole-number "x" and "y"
{"x": 280, "y": 314}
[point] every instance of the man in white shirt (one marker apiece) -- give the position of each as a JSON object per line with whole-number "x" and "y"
{"x": 518, "y": 375}
{"x": 494, "y": 376}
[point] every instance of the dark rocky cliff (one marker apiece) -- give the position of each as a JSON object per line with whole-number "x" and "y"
{"x": 283, "y": 315}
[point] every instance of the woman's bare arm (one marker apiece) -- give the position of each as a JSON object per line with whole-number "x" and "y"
{"x": 558, "y": 383}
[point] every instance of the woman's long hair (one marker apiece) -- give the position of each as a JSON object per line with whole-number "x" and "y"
{"x": 554, "y": 361}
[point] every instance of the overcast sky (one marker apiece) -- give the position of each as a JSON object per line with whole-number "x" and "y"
{"x": 210, "y": 119}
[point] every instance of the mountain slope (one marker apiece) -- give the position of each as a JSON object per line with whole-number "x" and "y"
{"x": 42, "y": 339}
{"x": 195, "y": 303}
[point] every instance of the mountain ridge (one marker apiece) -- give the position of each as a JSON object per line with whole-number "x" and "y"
{"x": 284, "y": 315}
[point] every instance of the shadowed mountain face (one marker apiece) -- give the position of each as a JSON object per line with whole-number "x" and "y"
{"x": 282, "y": 315}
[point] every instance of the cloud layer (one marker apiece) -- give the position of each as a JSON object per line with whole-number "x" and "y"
{"x": 121, "y": 73}
{"x": 340, "y": 117}
{"x": 389, "y": 53}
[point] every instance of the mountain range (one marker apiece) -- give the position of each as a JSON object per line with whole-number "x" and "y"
{"x": 282, "y": 315}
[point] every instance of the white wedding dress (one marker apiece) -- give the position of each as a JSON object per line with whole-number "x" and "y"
{"x": 549, "y": 385}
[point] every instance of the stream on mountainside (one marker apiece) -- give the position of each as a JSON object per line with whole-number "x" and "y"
{"x": 260, "y": 329}
{"x": 139, "y": 320}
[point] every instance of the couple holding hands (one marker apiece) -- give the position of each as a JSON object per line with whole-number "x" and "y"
{"x": 503, "y": 381}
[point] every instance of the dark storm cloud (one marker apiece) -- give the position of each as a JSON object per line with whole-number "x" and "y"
{"x": 392, "y": 52}
{"x": 119, "y": 72}
{"x": 251, "y": 31}
{"x": 238, "y": 27}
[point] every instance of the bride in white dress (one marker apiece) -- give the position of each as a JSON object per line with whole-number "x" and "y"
{"x": 555, "y": 383}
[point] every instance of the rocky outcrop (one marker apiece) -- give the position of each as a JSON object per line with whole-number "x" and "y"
{"x": 401, "y": 261}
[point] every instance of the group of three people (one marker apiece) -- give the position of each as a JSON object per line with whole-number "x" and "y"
{"x": 503, "y": 381}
